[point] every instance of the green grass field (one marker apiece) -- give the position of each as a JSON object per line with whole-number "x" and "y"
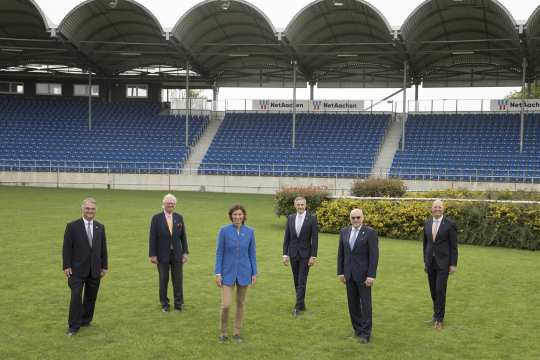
{"x": 493, "y": 301}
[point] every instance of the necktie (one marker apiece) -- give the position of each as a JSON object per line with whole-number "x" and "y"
{"x": 298, "y": 225}
{"x": 435, "y": 228}
{"x": 169, "y": 223}
{"x": 89, "y": 233}
{"x": 352, "y": 239}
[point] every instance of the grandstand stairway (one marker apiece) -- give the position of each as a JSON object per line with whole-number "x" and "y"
{"x": 384, "y": 160}
{"x": 196, "y": 155}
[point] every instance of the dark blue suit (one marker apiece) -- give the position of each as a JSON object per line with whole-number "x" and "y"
{"x": 300, "y": 248}
{"x": 86, "y": 264}
{"x": 169, "y": 249}
{"x": 356, "y": 265}
{"x": 439, "y": 255}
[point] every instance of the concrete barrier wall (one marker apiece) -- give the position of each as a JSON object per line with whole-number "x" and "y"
{"x": 219, "y": 183}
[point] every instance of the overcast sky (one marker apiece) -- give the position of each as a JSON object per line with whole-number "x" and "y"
{"x": 281, "y": 12}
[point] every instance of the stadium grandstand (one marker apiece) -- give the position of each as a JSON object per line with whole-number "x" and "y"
{"x": 91, "y": 95}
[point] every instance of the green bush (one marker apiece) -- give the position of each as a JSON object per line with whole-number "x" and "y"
{"x": 378, "y": 188}
{"x": 314, "y": 195}
{"x": 479, "y": 223}
{"x": 461, "y": 193}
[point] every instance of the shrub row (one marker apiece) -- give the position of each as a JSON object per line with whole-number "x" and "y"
{"x": 479, "y": 223}
{"x": 461, "y": 193}
{"x": 314, "y": 195}
{"x": 378, "y": 188}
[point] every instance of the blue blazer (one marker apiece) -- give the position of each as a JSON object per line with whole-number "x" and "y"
{"x": 235, "y": 255}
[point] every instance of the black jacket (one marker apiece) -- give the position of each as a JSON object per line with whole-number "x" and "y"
{"x": 444, "y": 248}
{"x": 304, "y": 245}
{"x": 85, "y": 261}
{"x": 362, "y": 260}
{"x": 160, "y": 239}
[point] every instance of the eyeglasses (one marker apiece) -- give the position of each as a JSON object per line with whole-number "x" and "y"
{"x": 356, "y": 217}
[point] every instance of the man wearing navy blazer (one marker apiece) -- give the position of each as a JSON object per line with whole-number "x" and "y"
{"x": 358, "y": 256}
{"x": 84, "y": 255}
{"x": 300, "y": 249}
{"x": 168, "y": 249}
{"x": 440, "y": 258}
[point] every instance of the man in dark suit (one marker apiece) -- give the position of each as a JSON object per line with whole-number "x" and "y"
{"x": 440, "y": 258}
{"x": 358, "y": 255}
{"x": 169, "y": 251}
{"x": 300, "y": 249}
{"x": 84, "y": 255}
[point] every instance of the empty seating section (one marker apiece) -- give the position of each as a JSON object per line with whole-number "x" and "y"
{"x": 326, "y": 145}
{"x": 472, "y": 147}
{"x": 52, "y": 134}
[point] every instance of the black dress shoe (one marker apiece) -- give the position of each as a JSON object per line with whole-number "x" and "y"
{"x": 237, "y": 338}
{"x": 223, "y": 338}
{"x": 178, "y": 307}
{"x": 363, "y": 339}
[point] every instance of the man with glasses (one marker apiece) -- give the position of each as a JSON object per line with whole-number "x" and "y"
{"x": 168, "y": 249}
{"x": 85, "y": 262}
{"x": 358, "y": 255}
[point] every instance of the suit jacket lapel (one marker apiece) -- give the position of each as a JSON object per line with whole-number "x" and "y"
{"x": 430, "y": 229}
{"x": 304, "y": 224}
{"x": 165, "y": 225}
{"x": 84, "y": 236}
{"x": 359, "y": 237}
{"x": 441, "y": 225}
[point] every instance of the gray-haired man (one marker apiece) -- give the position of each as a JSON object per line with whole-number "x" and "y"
{"x": 85, "y": 262}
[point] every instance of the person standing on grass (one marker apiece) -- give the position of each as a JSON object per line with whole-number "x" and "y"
{"x": 169, "y": 251}
{"x": 440, "y": 258}
{"x": 84, "y": 255}
{"x": 300, "y": 249}
{"x": 358, "y": 256}
{"x": 236, "y": 266}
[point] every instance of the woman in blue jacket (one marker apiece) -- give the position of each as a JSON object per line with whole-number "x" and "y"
{"x": 236, "y": 265}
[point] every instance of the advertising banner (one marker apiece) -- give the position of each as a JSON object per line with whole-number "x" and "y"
{"x": 308, "y": 105}
{"x": 514, "y": 105}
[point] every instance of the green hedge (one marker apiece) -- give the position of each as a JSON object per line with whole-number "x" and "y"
{"x": 378, "y": 188}
{"x": 461, "y": 193}
{"x": 314, "y": 195}
{"x": 479, "y": 223}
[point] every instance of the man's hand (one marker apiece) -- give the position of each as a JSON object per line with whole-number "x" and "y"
{"x": 103, "y": 272}
{"x": 285, "y": 260}
{"x": 218, "y": 281}
{"x": 342, "y": 279}
{"x": 153, "y": 259}
{"x": 369, "y": 282}
{"x": 184, "y": 258}
{"x": 312, "y": 260}
{"x": 68, "y": 272}
{"x": 452, "y": 269}
{"x": 253, "y": 279}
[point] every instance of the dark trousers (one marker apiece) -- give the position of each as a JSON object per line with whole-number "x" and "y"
{"x": 83, "y": 300}
{"x": 438, "y": 278}
{"x": 359, "y": 299}
{"x": 300, "y": 270}
{"x": 175, "y": 268}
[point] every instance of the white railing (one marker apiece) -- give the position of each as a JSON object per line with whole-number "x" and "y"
{"x": 251, "y": 169}
{"x": 82, "y": 166}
